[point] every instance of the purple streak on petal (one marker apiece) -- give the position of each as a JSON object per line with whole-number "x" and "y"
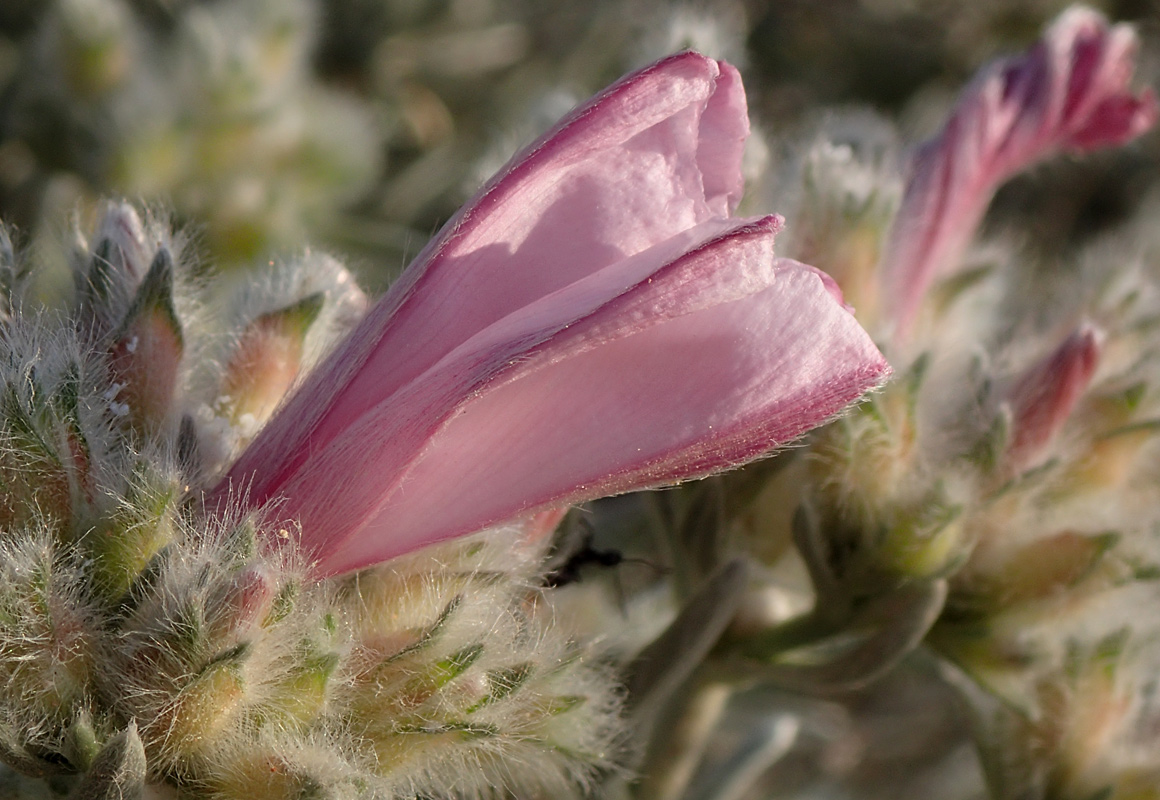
{"x": 622, "y": 173}
{"x": 1068, "y": 93}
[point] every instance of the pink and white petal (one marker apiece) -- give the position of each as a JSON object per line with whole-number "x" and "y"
{"x": 1116, "y": 121}
{"x": 732, "y": 259}
{"x": 621, "y": 174}
{"x": 696, "y": 394}
{"x": 724, "y": 129}
{"x": 617, "y": 177}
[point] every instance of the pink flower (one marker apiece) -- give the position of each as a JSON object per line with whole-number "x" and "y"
{"x": 1067, "y": 93}
{"x": 593, "y": 321}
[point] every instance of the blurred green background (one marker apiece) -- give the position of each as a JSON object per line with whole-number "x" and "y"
{"x": 359, "y": 126}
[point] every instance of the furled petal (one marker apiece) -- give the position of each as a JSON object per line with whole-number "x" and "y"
{"x": 1068, "y": 93}
{"x": 704, "y": 362}
{"x": 652, "y": 156}
{"x": 593, "y": 321}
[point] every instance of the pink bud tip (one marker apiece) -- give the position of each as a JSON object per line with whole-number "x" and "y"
{"x": 1044, "y": 398}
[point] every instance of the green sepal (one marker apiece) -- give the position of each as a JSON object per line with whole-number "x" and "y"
{"x": 445, "y": 670}
{"x": 283, "y": 604}
{"x": 232, "y": 657}
{"x": 81, "y": 746}
{"x": 467, "y": 730}
{"x": 154, "y": 295}
{"x": 298, "y": 317}
{"x": 301, "y": 697}
{"x": 503, "y": 682}
{"x": 562, "y": 704}
{"x": 118, "y": 771}
{"x": 1103, "y": 656}
{"x": 98, "y": 283}
{"x": 146, "y": 581}
{"x": 125, "y": 544}
{"x": 429, "y": 634}
{"x": 241, "y": 542}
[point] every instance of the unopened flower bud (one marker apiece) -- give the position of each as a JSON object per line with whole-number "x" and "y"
{"x": 81, "y": 745}
{"x": 146, "y": 354}
{"x": 1069, "y": 93}
{"x": 925, "y": 540}
{"x": 1112, "y": 458}
{"x": 120, "y": 238}
{"x": 277, "y": 770}
{"x": 299, "y": 699}
{"x": 1037, "y": 571}
{"x": 242, "y": 604}
{"x": 1085, "y": 710}
{"x": 1044, "y": 397}
{"x": 36, "y": 488}
{"x": 108, "y": 274}
{"x": 267, "y": 361}
{"x": 47, "y": 639}
{"x": 118, "y": 772}
{"x": 201, "y": 710}
{"x": 126, "y": 544}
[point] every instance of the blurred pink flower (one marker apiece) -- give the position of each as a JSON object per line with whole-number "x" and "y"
{"x": 1067, "y": 93}
{"x": 593, "y": 321}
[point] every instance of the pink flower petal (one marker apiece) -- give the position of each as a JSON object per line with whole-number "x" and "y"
{"x": 650, "y": 157}
{"x": 706, "y": 362}
{"x": 1067, "y": 93}
{"x": 698, "y": 395}
{"x": 592, "y": 322}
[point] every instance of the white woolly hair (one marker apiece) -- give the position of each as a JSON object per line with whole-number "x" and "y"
{"x": 49, "y": 639}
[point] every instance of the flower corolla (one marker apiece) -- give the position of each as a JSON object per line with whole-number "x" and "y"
{"x": 593, "y": 321}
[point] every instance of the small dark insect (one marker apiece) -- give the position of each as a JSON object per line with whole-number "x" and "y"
{"x": 569, "y": 570}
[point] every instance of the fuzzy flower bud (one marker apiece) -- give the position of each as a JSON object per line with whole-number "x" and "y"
{"x": 121, "y": 250}
{"x": 118, "y": 773}
{"x": 110, "y": 267}
{"x": 241, "y": 604}
{"x": 267, "y": 360}
{"x": 1044, "y": 397}
{"x": 146, "y": 354}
